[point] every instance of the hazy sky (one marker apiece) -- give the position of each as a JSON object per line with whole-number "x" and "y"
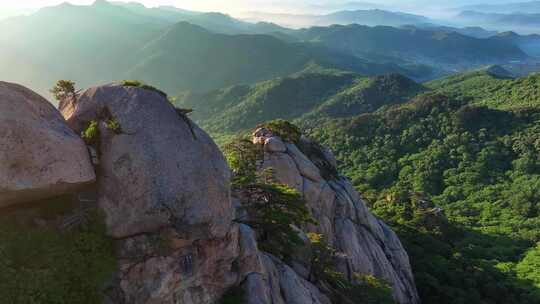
{"x": 239, "y": 5}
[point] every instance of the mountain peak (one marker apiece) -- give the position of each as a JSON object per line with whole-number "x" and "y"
{"x": 101, "y": 3}
{"x": 508, "y": 34}
{"x": 184, "y": 26}
{"x": 497, "y": 71}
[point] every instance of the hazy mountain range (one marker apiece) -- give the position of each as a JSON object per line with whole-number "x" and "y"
{"x": 413, "y": 44}
{"x": 529, "y": 7}
{"x": 105, "y": 42}
{"x": 499, "y": 19}
{"x": 181, "y": 50}
{"x": 367, "y": 17}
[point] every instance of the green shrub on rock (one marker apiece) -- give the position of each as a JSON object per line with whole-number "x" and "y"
{"x": 132, "y": 83}
{"x": 114, "y": 125}
{"x": 273, "y": 209}
{"x": 242, "y": 156}
{"x": 284, "y": 129}
{"x": 91, "y": 134}
{"x": 64, "y": 89}
{"x": 363, "y": 288}
{"x": 142, "y": 85}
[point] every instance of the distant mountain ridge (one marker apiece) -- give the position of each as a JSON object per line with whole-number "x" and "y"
{"x": 180, "y": 50}
{"x": 528, "y": 22}
{"x": 307, "y": 96}
{"x": 145, "y": 45}
{"x": 472, "y": 31}
{"x": 412, "y": 43}
{"x": 213, "y": 21}
{"x": 530, "y": 44}
{"x": 529, "y": 7}
{"x": 371, "y": 17}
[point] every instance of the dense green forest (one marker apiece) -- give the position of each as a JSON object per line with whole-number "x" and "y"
{"x": 309, "y": 95}
{"x": 457, "y": 175}
{"x": 492, "y": 87}
{"x": 452, "y": 165}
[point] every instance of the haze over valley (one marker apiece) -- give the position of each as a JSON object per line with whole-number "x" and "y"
{"x": 173, "y": 47}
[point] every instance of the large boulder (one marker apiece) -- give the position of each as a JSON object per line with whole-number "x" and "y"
{"x": 164, "y": 187}
{"x": 40, "y": 157}
{"x": 156, "y": 168}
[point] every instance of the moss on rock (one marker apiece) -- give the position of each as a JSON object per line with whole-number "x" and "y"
{"x": 91, "y": 134}
{"x": 142, "y": 85}
{"x": 41, "y": 264}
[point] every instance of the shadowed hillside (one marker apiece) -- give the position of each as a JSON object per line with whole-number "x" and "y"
{"x": 306, "y": 96}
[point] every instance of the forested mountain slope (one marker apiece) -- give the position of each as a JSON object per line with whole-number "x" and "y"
{"x": 530, "y": 44}
{"x": 457, "y": 173}
{"x": 492, "y": 87}
{"x": 308, "y": 95}
{"x": 455, "y": 170}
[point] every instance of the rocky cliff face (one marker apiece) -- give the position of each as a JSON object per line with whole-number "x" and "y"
{"x": 367, "y": 244}
{"x": 164, "y": 188}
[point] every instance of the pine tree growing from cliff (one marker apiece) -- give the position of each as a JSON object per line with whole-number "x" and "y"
{"x": 64, "y": 89}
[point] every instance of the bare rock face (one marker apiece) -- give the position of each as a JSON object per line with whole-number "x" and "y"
{"x": 164, "y": 187}
{"x": 40, "y": 157}
{"x": 158, "y": 169}
{"x": 368, "y": 245}
{"x": 161, "y": 268}
{"x": 267, "y": 280}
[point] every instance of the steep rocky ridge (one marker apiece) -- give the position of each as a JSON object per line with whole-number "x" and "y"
{"x": 368, "y": 245}
{"x": 164, "y": 188}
